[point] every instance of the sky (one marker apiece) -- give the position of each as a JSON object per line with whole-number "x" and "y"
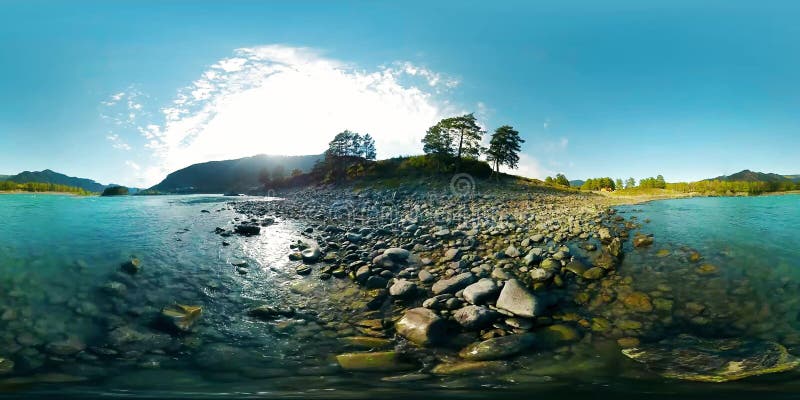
{"x": 125, "y": 92}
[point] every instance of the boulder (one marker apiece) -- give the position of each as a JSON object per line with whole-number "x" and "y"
{"x": 497, "y": 348}
{"x": 311, "y": 255}
{"x": 481, "y": 291}
{"x": 131, "y": 266}
{"x": 403, "y": 289}
{"x": 594, "y": 273}
{"x": 370, "y": 362}
{"x": 642, "y": 240}
{"x": 474, "y": 317}
{"x": 247, "y": 230}
{"x": 576, "y": 267}
{"x": 453, "y": 284}
{"x": 397, "y": 254}
{"x": 615, "y": 247}
{"x": 712, "y": 360}
{"x": 180, "y": 317}
{"x": 604, "y": 234}
{"x": 516, "y": 299}
{"x": 421, "y": 326}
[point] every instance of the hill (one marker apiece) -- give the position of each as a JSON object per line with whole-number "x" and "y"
{"x": 751, "y": 176}
{"x": 230, "y": 175}
{"x": 794, "y": 178}
{"x": 576, "y": 183}
{"x": 52, "y": 177}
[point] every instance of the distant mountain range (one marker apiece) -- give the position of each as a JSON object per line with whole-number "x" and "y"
{"x": 230, "y": 175}
{"x": 49, "y": 176}
{"x": 576, "y": 183}
{"x": 751, "y": 176}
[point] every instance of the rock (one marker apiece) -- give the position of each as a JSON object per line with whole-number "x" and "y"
{"x": 604, "y": 234}
{"x": 594, "y": 273}
{"x": 303, "y": 270}
{"x": 311, "y": 255}
{"x": 533, "y": 256}
{"x": 556, "y": 335}
{"x": 474, "y": 317}
{"x": 425, "y": 276}
{"x": 576, "y": 267}
{"x": 132, "y": 266}
{"x": 362, "y": 273}
{"x": 366, "y": 342}
{"x": 516, "y": 299}
{"x": 66, "y": 347}
{"x": 247, "y": 230}
{"x": 550, "y": 264}
{"x": 451, "y": 254}
{"x": 453, "y": 284}
{"x": 627, "y": 342}
{"x": 605, "y": 260}
{"x": 268, "y": 313}
{"x": 353, "y": 237}
{"x": 6, "y": 366}
{"x": 376, "y": 282}
{"x": 180, "y": 317}
{"x": 707, "y": 269}
{"x": 540, "y": 274}
{"x": 469, "y": 367}
{"x": 638, "y": 301}
{"x": 615, "y": 247}
{"x": 367, "y": 362}
{"x": 497, "y": 348}
{"x": 537, "y": 238}
{"x": 397, "y": 254}
{"x": 641, "y": 240}
{"x": 115, "y": 288}
{"x": 481, "y": 291}
{"x": 712, "y": 360}
{"x": 421, "y": 326}
{"x": 512, "y": 251}
{"x": 403, "y": 289}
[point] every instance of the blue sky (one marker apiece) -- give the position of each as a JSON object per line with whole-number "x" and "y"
{"x": 125, "y": 92}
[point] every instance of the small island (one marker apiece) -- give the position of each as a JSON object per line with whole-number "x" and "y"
{"x": 115, "y": 191}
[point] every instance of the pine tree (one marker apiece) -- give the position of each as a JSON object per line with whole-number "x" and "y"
{"x": 368, "y": 148}
{"x": 455, "y": 137}
{"x": 504, "y": 147}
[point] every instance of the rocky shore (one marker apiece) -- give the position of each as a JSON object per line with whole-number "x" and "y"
{"x": 509, "y": 284}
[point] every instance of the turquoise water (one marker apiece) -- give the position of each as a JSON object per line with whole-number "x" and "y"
{"x": 58, "y": 254}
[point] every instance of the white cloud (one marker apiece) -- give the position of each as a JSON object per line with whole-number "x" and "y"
{"x": 529, "y": 167}
{"x": 288, "y": 100}
{"x": 133, "y": 165}
{"x": 117, "y": 142}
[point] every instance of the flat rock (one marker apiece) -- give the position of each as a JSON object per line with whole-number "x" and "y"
{"x": 421, "y": 326}
{"x": 497, "y": 348}
{"x": 481, "y": 291}
{"x": 377, "y": 361}
{"x": 453, "y": 284}
{"x": 712, "y": 360}
{"x": 403, "y": 289}
{"x": 516, "y": 299}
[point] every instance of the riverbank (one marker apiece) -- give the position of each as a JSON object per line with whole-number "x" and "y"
{"x": 473, "y": 281}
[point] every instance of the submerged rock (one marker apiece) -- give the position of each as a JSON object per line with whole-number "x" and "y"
{"x": 248, "y": 230}
{"x": 497, "y": 348}
{"x": 421, "y": 326}
{"x": 6, "y": 366}
{"x": 713, "y": 360}
{"x": 131, "y": 266}
{"x": 377, "y": 361}
{"x": 180, "y": 317}
{"x": 469, "y": 367}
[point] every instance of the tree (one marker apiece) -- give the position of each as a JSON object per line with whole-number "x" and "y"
{"x": 618, "y": 184}
{"x": 562, "y": 180}
{"x": 368, "y": 148}
{"x": 297, "y": 172}
{"x": 504, "y": 147}
{"x": 630, "y": 183}
{"x": 454, "y": 137}
{"x": 549, "y": 180}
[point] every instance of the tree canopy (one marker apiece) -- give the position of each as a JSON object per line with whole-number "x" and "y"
{"x": 454, "y": 137}
{"x": 504, "y": 148}
{"x": 599, "y": 184}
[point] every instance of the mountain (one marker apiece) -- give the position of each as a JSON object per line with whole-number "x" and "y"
{"x": 48, "y": 176}
{"x": 230, "y": 175}
{"x": 576, "y": 183}
{"x": 794, "y": 178}
{"x": 4, "y": 177}
{"x": 751, "y": 176}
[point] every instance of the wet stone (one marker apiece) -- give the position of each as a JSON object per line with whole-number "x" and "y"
{"x": 498, "y": 348}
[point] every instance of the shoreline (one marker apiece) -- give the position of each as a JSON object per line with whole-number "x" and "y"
{"x": 2, "y": 192}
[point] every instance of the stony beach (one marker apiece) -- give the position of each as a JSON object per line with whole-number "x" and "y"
{"x": 439, "y": 287}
